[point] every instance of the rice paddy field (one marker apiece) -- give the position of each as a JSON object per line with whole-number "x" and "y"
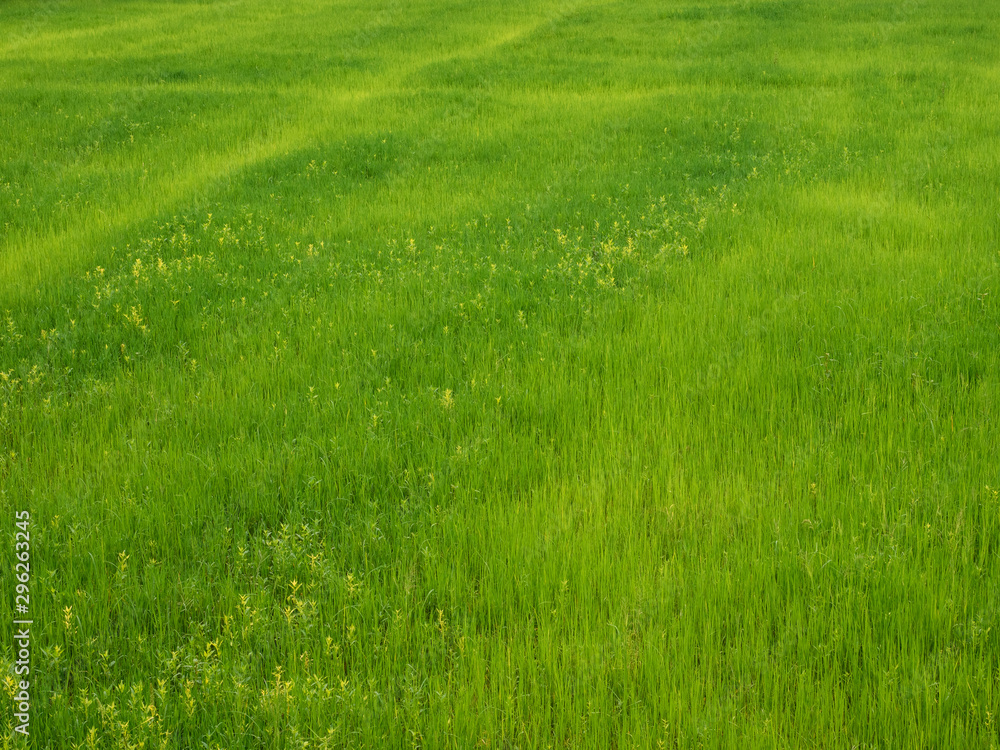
{"x": 551, "y": 374}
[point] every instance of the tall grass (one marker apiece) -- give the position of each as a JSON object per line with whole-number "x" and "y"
{"x": 512, "y": 375}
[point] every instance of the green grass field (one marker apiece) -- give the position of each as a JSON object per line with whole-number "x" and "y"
{"x": 502, "y": 374}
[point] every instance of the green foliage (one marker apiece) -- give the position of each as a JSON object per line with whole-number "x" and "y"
{"x": 521, "y": 375}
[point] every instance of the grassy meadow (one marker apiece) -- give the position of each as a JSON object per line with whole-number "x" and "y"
{"x": 544, "y": 374}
